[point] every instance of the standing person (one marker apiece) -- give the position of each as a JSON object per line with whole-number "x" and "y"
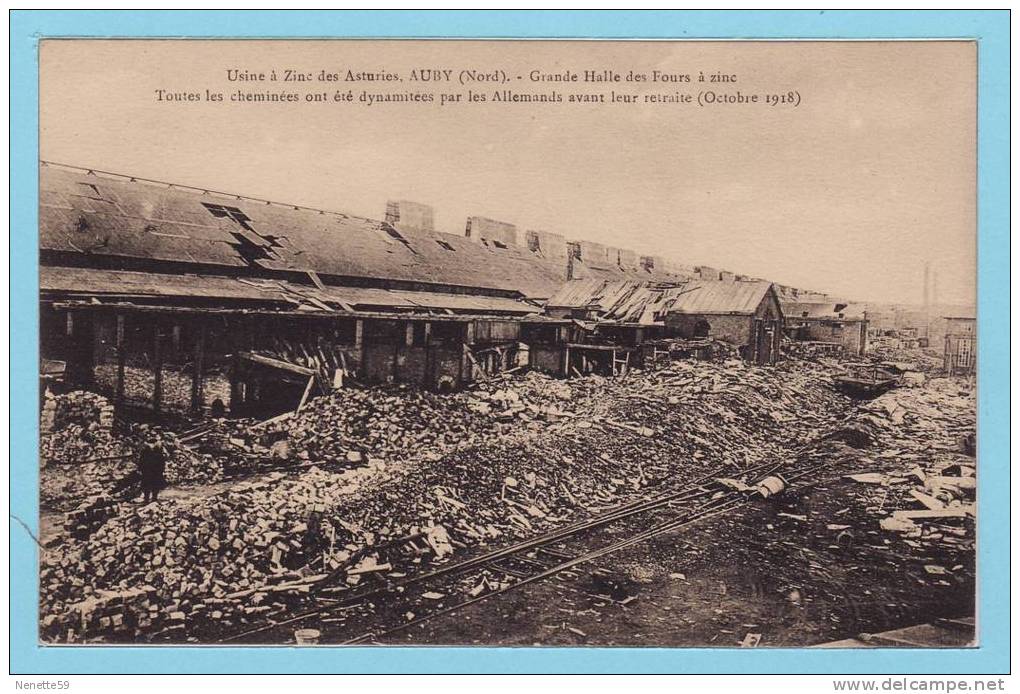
{"x": 152, "y": 466}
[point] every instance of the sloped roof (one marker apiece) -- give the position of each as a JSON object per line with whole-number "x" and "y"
{"x": 120, "y": 284}
{"x": 86, "y": 213}
{"x": 646, "y": 303}
{"x": 714, "y": 297}
{"x": 611, "y": 272}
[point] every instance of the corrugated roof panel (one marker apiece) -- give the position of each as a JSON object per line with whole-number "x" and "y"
{"x": 707, "y": 297}
{"x": 92, "y": 282}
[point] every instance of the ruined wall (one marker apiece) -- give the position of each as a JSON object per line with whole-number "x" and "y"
{"x": 546, "y": 359}
{"x": 497, "y": 331}
{"x": 733, "y": 329}
{"x": 412, "y": 364}
{"x": 846, "y": 334}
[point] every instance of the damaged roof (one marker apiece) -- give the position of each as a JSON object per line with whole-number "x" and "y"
{"x": 90, "y": 214}
{"x": 647, "y": 303}
{"x": 717, "y": 297}
{"x": 592, "y": 270}
{"x": 120, "y": 284}
{"x": 823, "y": 311}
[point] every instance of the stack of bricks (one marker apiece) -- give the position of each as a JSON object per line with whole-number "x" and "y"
{"x": 77, "y": 407}
{"x": 90, "y": 516}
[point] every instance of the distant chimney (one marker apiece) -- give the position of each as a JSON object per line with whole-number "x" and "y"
{"x": 927, "y": 287}
{"x": 594, "y": 253}
{"x": 405, "y": 215}
{"x": 546, "y": 244}
{"x": 628, "y": 259}
{"x": 485, "y": 229}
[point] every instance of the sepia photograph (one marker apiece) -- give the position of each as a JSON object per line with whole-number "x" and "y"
{"x": 530, "y": 343}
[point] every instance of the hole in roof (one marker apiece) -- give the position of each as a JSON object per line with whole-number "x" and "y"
{"x": 394, "y": 234}
{"x": 498, "y": 244}
{"x": 87, "y": 190}
{"x": 232, "y": 213}
{"x": 445, "y": 245}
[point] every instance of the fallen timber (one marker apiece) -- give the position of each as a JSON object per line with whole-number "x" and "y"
{"x": 719, "y": 502}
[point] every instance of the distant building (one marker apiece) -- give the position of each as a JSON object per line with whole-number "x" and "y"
{"x": 842, "y": 324}
{"x": 169, "y": 298}
{"x": 960, "y": 354}
{"x": 746, "y": 315}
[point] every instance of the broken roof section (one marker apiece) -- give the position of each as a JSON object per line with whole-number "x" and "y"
{"x": 823, "y": 311}
{"x": 647, "y": 303}
{"x": 119, "y": 285}
{"x": 90, "y": 214}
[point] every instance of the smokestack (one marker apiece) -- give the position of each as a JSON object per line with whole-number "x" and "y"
{"x": 405, "y": 215}
{"x": 927, "y": 280}
{"x": 485, "y": 229}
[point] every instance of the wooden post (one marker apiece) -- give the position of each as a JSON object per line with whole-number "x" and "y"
{"x": 157, "y": 369}
{"x": 431, "y": 379}
{"x": 121, "y": 358}
{"x": 197, "y": 369}
{"x": 80, "y": 370}
{"x": 466, "y": 375}
{"x": 235, "y": 384}
{"x": 409, "y": 333}
{"x": 308, "y": 391}
{"x": 359, "y": 344}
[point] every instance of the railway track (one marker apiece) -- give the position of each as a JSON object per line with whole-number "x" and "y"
{"x": 392, "y": 606}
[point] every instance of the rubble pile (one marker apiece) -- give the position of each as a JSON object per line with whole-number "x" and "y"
{"x": 924, "y": 485}
{"x": 922, "y": 360}
{"x": 149, "y": 569}
{"x": 76, "y": 426}
{"x": 64, "y": 487}
{"x": 114, "y": 471}
{"x": 388, "y": 423}
{"x": 90, "y": 515}
{"x": 436, "y": 476}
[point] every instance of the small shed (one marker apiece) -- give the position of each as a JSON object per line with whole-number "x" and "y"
{"x": 960, "y": 356}
{"x": 745, "y": 314}
{"x": 840, "y": 324}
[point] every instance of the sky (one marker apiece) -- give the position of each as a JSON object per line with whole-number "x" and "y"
{"x": 851, "y": 192}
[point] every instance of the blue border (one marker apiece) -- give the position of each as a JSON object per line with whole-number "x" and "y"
{"x": 990, "y": 28}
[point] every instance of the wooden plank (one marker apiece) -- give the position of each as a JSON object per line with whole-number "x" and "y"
{"x": 121, "y": 360}
{"x": 157, "y": 370}
{"x": 308, "y": 391}
{"x": 198, "y": 365}
{"x": 276, "y": 363}
{"x": 599, "y": 348}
